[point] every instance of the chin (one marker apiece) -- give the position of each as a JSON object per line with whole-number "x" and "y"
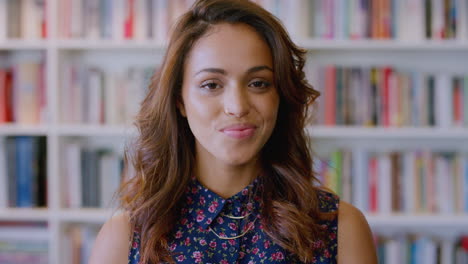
{"x": 238, "y": 160}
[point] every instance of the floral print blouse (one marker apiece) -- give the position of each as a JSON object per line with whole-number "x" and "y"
{"x": 207, "y": 218}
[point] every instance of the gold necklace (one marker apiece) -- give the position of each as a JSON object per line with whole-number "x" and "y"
{"x": 234, "y": 237}
{"x": 236, "y": 217}
{"x": 252, "y": 224}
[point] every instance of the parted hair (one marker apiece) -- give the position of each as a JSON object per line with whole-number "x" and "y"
{"x": 163, "y": 155}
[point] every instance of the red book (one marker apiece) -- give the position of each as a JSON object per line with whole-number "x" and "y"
{"x": 44, "y": 21}
{"x": 330, "y": 95}
{"x": 385, "y": 19}
{"x": 396, "y": 183}
{"x": 129, "y": 20}
{"x": 374, "y": 21}
{"x": 9, "y": 96}
{"x": 457, "y": 103}
{"x": 2, "y": 96}
{"x": 373, "y": 184}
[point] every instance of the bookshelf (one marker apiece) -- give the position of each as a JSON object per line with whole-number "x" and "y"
{"x": 120, "y": 55}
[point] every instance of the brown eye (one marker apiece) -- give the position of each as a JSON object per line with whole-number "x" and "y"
{"x": 210, "y": 86}
{"x": 259, "y": 84}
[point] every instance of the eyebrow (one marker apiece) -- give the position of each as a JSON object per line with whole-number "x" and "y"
{"x": 223, "y": 72}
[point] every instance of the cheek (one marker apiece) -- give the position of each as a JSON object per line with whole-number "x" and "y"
{"x": 200, "y": 113}
{"x": 270, "y": 108}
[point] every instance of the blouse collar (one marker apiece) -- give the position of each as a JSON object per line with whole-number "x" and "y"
{"x": 203, "y": 205}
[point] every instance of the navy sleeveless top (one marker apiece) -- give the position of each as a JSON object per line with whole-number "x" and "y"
{"x": 217, "y": 230}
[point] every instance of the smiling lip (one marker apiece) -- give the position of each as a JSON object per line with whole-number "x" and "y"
{"x": 239, "y": 131}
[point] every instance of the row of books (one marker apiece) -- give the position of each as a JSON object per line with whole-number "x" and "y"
{"x": 399, "y": 181}
{"x": 23, "y": 19}
{"x": 416, "y": 249}
{"x": 91, "y": 95}
{"x": 406, "y": 20}
{"x": 23, "y": 243}
{"x": 330, "y": 19}
{"x": 119, "y": 19}
{"x": 389, "y": 97}
{"x": 77, "y": 243}
{"x": 23, "y": 93}
{"x": 23, "y": 172}
{"x": 92, "y": 176}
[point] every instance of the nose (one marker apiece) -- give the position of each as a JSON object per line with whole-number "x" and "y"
{"x": 236, "y": 101}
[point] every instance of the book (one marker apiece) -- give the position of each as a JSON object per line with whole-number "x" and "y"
{"x": 11, "y": 170}
{"x": 3, "y": 175}
{"x": 399, "y": 181}
{"x": 23, "y": 19}
{"x": 419, "y": 248}
{"x": 411, "y": 20}
{"x": 26, "y": 100}
{"x": 14, "y": 19}
{"x": 387, "y": 96}
{"x": 94, "y": 95}
{"x": 23, "y": 243}
{"x": 3, "y": 20}
{"x": 26, "y": 171}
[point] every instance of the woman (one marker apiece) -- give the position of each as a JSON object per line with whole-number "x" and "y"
{"x": 223, "y": 171}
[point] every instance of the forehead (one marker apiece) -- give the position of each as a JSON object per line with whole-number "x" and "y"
{"x": 229, "y": 46}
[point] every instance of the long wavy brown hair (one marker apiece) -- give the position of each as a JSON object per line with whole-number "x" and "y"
{"x": 163, "y": 154}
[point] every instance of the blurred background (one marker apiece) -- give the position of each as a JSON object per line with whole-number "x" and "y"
{"x": 390, "y": 129}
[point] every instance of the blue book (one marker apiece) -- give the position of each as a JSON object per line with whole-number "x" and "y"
{"x": 24, "y": 171}
{"x": 11, "y": 170}
{"x": 105, "y": 18}
{"x": 413, "y": 252}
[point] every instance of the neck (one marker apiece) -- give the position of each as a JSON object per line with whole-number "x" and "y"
{"x": 226, "y": 180}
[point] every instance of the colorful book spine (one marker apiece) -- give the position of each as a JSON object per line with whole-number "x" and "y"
{"x": 24, "y": 170}
{"x": 420, "y": 181}
{"x": 389, "y": 97}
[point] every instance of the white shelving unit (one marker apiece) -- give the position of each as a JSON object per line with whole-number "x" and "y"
{"x": 447, "y": 54}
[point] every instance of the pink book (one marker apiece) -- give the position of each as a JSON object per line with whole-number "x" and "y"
{"x": 373, "y": 184}
{"x": 129, "y": 20}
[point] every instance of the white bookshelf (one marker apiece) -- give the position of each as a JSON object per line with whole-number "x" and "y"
{"x": 442, "y": 54}
{"x": 385, "y": 45}
{"x": 388, "y": 133}
{"x": 24, "y": 214}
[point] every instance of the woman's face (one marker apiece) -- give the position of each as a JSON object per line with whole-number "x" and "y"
{"x": 228, "y": 94}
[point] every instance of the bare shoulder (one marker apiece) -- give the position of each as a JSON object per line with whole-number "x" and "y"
{"x": 355, "y": 242}
{"x": 112, "y": 242}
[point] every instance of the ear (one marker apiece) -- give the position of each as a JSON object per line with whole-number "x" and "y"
{"x": 181, "y": 107}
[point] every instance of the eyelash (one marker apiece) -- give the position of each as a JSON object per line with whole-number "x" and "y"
{"x": 263, "y": 83}
{"x": 208, "y": 85}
